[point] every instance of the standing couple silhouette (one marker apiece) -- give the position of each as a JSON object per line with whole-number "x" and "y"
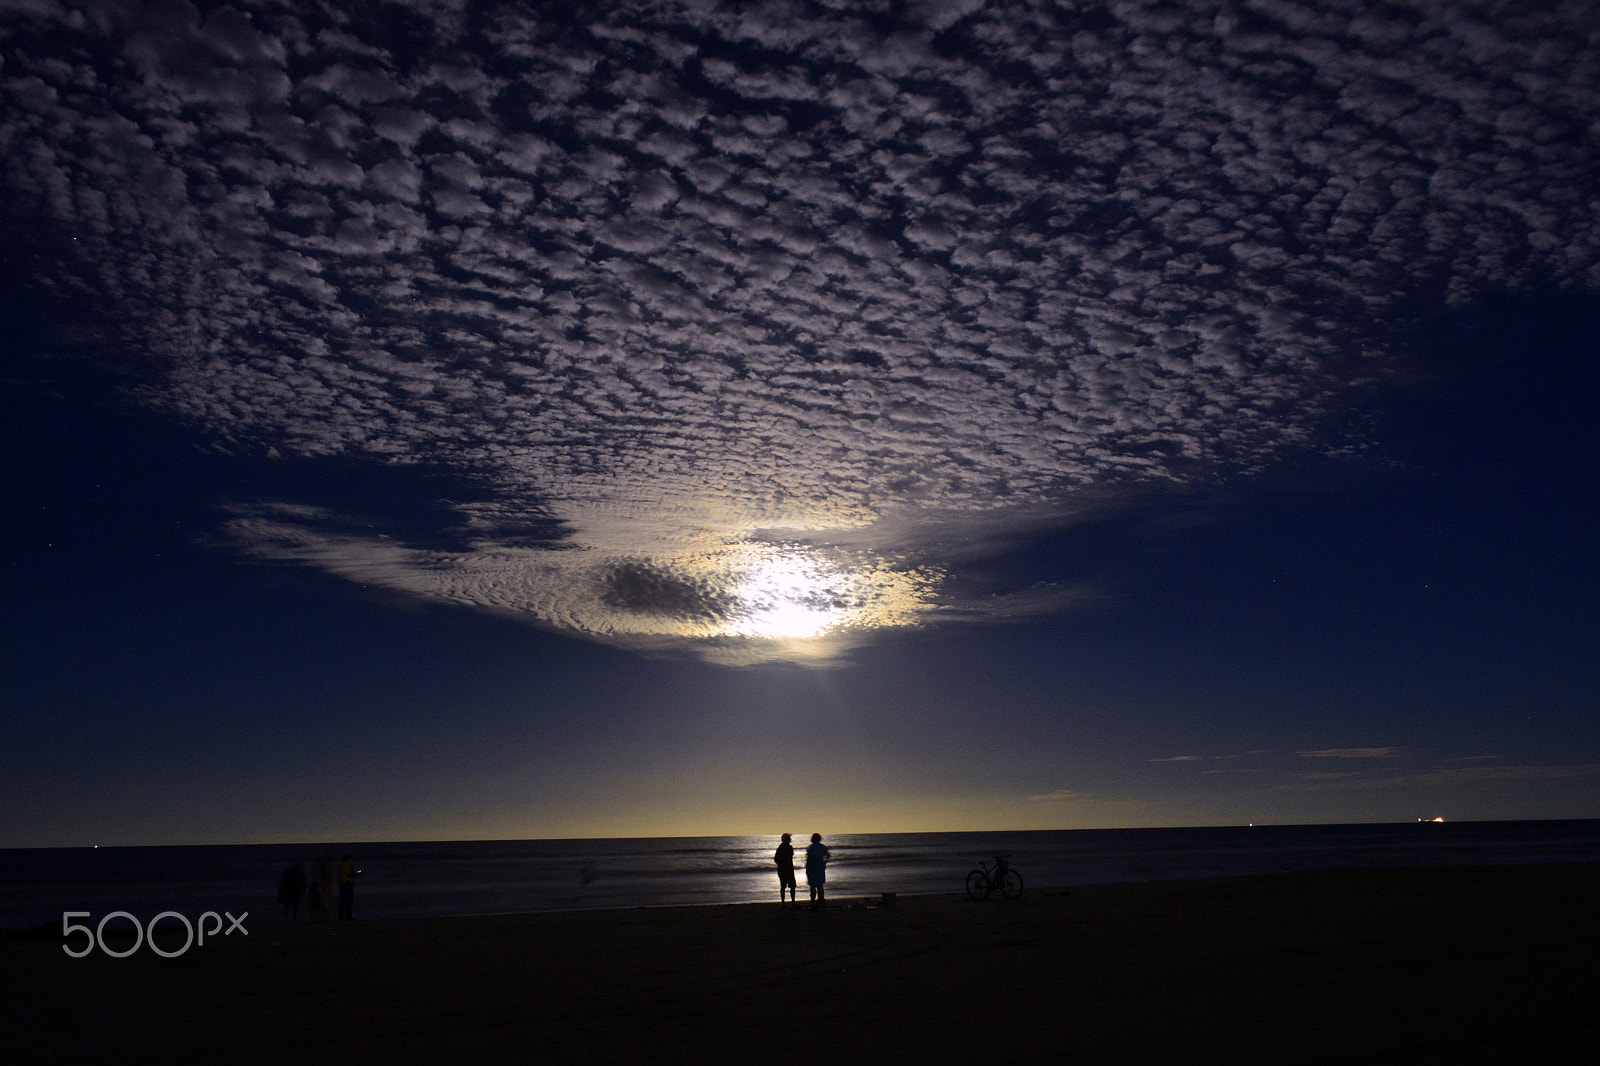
{"x": 816, "y": 871}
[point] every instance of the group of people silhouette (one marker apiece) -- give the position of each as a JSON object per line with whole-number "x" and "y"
{"x": 816, "y": 871}
{"x": 296, "y": 885}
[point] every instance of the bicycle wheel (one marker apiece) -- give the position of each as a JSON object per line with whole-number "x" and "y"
{"x": 977, "y": 885}
{"x": 1011, "y": 885}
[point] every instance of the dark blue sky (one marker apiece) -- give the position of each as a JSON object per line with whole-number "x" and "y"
{"x": 1430, "y": 605}
{"x": 954, "y": 417}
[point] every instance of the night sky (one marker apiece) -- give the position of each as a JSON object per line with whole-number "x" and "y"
{"x": 440, "y": 420}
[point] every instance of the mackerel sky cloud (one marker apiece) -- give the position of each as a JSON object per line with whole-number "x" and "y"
{"x": 753, "y": 326}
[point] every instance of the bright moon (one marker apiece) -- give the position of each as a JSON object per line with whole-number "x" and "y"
{"x": 786, "y": 599}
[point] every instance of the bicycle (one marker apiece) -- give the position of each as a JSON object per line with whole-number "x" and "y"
{"x": 1000, "y": 878}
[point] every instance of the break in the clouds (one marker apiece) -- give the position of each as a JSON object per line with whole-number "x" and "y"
{"x": 751, "y": 302}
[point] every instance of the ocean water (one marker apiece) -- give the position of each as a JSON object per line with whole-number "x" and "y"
{"x": 430, "y": 878}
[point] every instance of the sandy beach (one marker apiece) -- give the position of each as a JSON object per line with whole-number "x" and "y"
{"x": 1413, "y": 966}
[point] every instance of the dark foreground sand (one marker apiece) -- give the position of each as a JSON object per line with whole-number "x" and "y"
{"x": 1412, "y": 966}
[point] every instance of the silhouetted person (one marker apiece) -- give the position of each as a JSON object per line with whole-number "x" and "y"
{"x": 817, "y": 870}
{"x": 347, "y": 887}
{"x": 784, "y": 857}
{"x": 315, "y": 900}
{"x": 291, "y": 886}
{"x": 324, "y": 884}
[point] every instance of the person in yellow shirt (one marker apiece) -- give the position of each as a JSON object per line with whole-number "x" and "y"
{"x": 347, "y": 887}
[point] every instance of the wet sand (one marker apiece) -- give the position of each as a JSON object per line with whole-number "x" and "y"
{"x": 1410, "y": 966}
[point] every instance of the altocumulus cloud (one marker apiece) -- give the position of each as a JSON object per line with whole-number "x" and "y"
{"x": 1351, "y": 753}
{"x": 751, "y": 301}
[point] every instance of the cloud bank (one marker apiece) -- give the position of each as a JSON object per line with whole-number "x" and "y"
{"x": 751, "y": 299}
